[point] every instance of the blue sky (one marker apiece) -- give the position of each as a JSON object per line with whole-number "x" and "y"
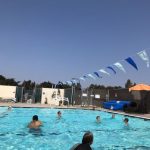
{"x": 56, "y": 40}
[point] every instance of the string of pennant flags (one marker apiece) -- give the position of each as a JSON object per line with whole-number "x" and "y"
{"x": 101, "y": 72}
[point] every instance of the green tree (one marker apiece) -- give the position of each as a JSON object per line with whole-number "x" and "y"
{"x": 9, "y": 81}
{"x": 129, "y": 83}
{"x": 60, "y": 85}
{"x": 28, "y": 85}
{"x": 46, "y": 84}
{"x": 95, "y": 86}
{"x": 78, "y": 86}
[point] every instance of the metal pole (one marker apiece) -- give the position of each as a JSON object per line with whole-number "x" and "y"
{"x": 72, "y": 95}
{"x": 34, "y": 93}
{"x": 22, "y": 94}
{"x": 81, "y": 97}
{"x": 91, "y": 97}
{"x": 108, "y": 94}
{"x": 87, "y": 97}
{"x": 73, "y": 91}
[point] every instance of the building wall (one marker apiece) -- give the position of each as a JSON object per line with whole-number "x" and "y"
{"x": 50, "y": 95}
{"x": 7, "y": 91}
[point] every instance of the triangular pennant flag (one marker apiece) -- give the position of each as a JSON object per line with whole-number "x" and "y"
{"x": 131, "y": 62}
{"x": 82, "y": 78}
{"x": 96, "y": 73}
{"x": 103, "y": 71}
{"x": 111, "y": 68}
{"x": 120, "y": 66}
{"x": 74, "y": 81}
{"x": 69, "y": 82}
{"x": 90, "y": 75}
{"x": 77, "y": 80}
{"x": 143, "y": 55}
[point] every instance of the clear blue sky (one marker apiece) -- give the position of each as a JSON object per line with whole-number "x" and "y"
{"x": 55, "y": 40}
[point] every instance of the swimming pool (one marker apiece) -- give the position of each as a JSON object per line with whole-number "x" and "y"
{"x": 61, "y": 134}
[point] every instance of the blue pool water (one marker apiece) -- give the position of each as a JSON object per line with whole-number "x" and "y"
{"x": 61, "y": 134}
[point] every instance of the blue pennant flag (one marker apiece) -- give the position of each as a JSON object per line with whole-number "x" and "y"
{"x": 96, "y": 73}
{"x": 85, "y": 76}
{"x": 131, "y": 62}
{"x": 111, "y": 68}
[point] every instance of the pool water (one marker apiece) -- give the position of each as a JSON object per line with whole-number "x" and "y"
{"x": 62, "y": 134}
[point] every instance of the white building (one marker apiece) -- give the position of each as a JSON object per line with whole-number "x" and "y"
{"x": 52, "y": 96}
{"x": 7, "y": 92}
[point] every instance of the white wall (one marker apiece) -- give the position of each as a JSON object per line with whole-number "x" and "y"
{"x": 50, "y": 95}
{"x": 7, "y": 91}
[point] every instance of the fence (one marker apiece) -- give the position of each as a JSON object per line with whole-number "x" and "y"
{"x": 94, "y": 97}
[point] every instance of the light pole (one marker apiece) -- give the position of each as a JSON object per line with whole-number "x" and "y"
{"x": 72, "y": 94}
{"x": 92, "y": 95}
{"x": 34, "y": 93}
{"x": 22, "y": 91}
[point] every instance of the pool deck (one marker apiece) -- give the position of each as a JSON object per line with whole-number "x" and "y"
{"x": 24, "y": 105}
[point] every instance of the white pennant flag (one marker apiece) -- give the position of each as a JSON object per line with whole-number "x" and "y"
{"x": 69, "y": 82}
{"x": 143, "y": 55}
{"x": 90, "y": 75}
{"x": 120, "y": 66}
{"x": 74, "y": 81}
{"x": 103, "y": 71}
{"x": 82, "y": 78}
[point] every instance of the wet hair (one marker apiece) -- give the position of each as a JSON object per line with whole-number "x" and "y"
{"x": 59, "y": 112}
{"x": 97, "y": 117}
{"x": 87, "y": 138}
{"x": 35, "y": 118}
{"x": 126, "y": 120}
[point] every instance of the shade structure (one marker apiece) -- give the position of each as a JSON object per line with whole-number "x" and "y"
{"x": 140, "y": 87}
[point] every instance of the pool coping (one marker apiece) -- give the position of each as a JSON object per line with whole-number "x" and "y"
{"x": 24, "y": 105}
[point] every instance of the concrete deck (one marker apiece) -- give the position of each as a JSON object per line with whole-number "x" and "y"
{"x": 24, "y": 105}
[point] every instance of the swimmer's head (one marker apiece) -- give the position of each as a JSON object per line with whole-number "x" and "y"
{"x": 35, "y": 118}
{"x": 87, "y": 138}
{"x": 59, "y": 113}
{"x": 97, "y": 118}
{"x": 126, "y": 120}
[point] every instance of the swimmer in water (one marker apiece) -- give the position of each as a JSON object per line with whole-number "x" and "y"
{"x": 126, "y": 120}
{"x": 59, "y": 114}
{"x": 113, "y": 116}
{"x": 98, "y": 119}
{"x": 35, "y": 123}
